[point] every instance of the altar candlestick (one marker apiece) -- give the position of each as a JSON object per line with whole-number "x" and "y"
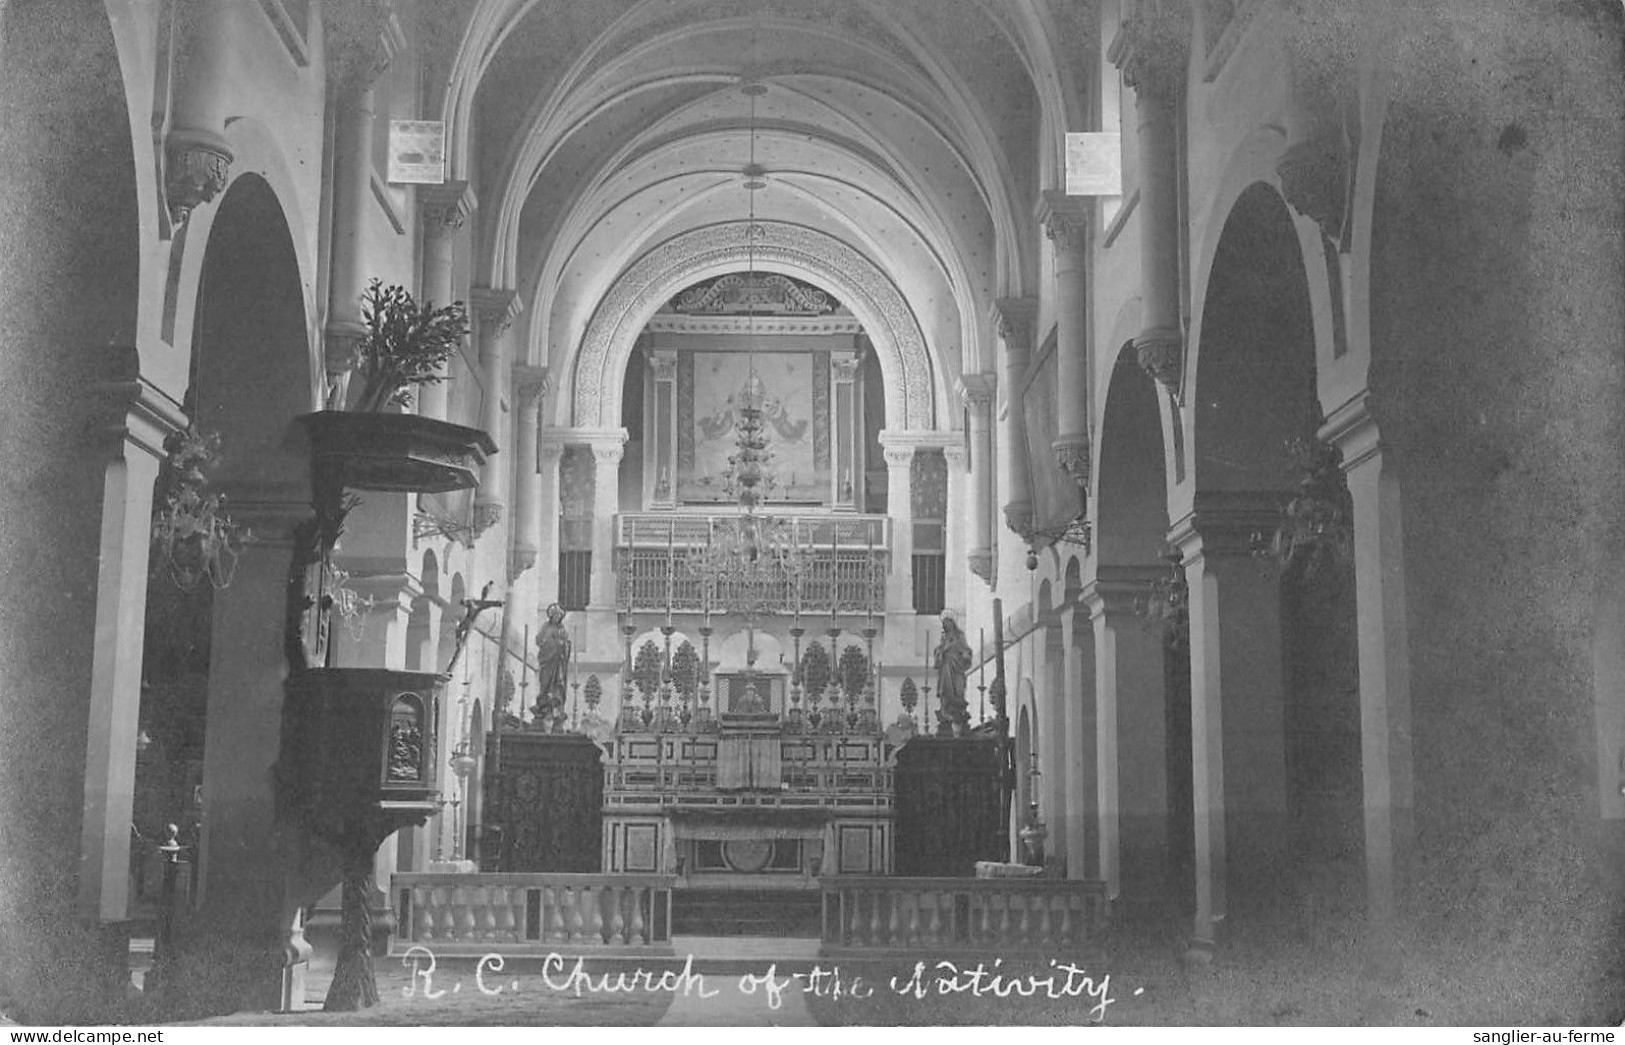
{"x": 834, "y": 573}
{"x": 671, "y": 567}
{"x": 869, "y": 576}
{"x": 705, "y": 585}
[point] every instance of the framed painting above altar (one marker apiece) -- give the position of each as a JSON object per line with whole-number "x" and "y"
{"x": 793, "y": 389}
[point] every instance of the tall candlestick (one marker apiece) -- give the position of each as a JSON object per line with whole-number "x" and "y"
{"x": 869, "y": 576}
{"x": 834, "y": 572}
{"x": 671, "y": 567}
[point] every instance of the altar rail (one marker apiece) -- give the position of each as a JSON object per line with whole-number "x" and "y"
{"x": 454, "y": 914}
{"x": 1046, "y": 916}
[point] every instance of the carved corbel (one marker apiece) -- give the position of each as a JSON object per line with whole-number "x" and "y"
{"x": 1073, "y": 457}
{"x": 1018, "y": 516}
{"x": 197, "y": 165}
{"x": 1153, "y": 48}
{"x": 1161, "y": 354}
{"x": 981, "y": 563}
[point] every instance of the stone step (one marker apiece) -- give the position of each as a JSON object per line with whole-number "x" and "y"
{"x": 740, "y": 912}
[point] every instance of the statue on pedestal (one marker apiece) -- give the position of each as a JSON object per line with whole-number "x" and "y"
{"x": 552, "y": 669}
{"x": 953, "y": 658}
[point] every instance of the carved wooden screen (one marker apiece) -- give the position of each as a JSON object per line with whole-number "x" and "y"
{"x": 544, "y": 795}
{"x": 950, "y": 798}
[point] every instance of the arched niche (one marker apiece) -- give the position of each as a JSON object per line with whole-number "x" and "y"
{"x": 1131, "y": 508}
{"x": 912, "y": 385}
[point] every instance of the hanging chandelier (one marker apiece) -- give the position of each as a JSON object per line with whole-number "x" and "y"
{"x": 752, "y": 563}
{"x": 194, "y": 539}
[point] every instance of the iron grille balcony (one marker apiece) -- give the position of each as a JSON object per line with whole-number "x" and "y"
{"x": 665, "y": 560}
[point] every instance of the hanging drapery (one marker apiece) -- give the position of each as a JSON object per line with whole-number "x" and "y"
{"x": 748, "y": 762}
{"x": 713, "y": 825}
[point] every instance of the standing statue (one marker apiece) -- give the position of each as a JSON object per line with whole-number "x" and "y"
{"x": 552, "y": 667}
{"x": 953, "y": 658}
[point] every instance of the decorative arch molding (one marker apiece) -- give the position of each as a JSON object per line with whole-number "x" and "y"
{"x": 258, "y": 154}
{"x": 911, "y": 396}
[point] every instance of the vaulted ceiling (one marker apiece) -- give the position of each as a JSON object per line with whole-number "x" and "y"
{"x": 915, "y": 132}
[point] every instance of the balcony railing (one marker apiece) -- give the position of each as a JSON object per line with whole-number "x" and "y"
{"x": 839, "y": 562}
{"x": 460, "y": 914}
{"x": 1046, "y": 916}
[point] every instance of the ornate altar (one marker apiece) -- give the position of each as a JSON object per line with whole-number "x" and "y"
{"x": 756, "y": 796}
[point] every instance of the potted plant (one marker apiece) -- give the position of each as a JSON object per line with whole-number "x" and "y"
{"x": 406, "y": 345}
{"x": 369, "y": 446}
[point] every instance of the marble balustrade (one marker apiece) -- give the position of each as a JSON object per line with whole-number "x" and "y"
{"x": 1050, "y": 917}
{"x": 454, "y": 914}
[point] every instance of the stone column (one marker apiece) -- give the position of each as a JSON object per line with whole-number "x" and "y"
{"x": 495, "y": 311}
{"x": 250, "y": 893}
{"x": 1015, "y": 318}
{"x": 1066, "y": 223}
{"x": 844, "y": 465}
{"x": 1084, "y": 819}
{"x": 445, "y": 209}
{"x": 1153, "y": 52}
{"x": 955, "y": 526}
{"x": 1385, "y": 698}
{"x": 115, "y": 670}
{"x": 660, "y": 435}
{"x": 899, "y": 454}
{"x": 1132, "y": 751}
{"x": 607, "y": 450}
{"x": 357, "y": 65}
{"x": 530, "y": 385}
{"x": 548, "y": 454}
{"x": 197, "y": 159}
{"x": 977, "y": 392}
{"x": 1048, "y": 676}
{"x": 1238, "y": 745}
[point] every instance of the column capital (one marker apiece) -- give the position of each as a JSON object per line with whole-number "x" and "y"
{"x": 445, "y": 207}
{"x": 897, "y": 455}
{"x": 497, "y": 307}
{"x": 980, "y": 561}
{"x": 1152, "y": 48}
{"x": 530, "y": 383}
{"x": 1073, "y": 454}
{"x": 362, "y": 46}
{"x": 608, "y": 445}
{"x": 554, "y": 441}
{"x": 976, "y": 392}
{"x": 664, "y": 365}
{"x": 1119, "y": 591}
{"x": 955, "y": 454}
{"x": 1014, "y": 318}
{"x": 1161, "y": 354}
{"x": 1065, "y": 220}
{"x": 1018, "y": 517}
{"x": 1228, "y": 523}
{"x": 1353, "y": 429}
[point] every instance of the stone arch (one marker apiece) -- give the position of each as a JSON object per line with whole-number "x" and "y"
{"x": 1286, "y": 732}
{"x": 1131, "y": 506}
{"x": 259, "y": 159}
{"x": 913, "y": 387}
{"x": 252, "y": 315}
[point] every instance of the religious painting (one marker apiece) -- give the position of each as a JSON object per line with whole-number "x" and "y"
{"x": 714, "y": 387}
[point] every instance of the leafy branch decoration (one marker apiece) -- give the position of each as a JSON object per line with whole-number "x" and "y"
{"x": 406, "y": 345}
